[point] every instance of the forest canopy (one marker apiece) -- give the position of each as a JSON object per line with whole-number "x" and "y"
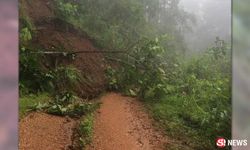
{"x": 117, "y": 24}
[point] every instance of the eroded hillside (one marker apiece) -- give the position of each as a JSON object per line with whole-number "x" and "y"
{"x": 50, "y": 33}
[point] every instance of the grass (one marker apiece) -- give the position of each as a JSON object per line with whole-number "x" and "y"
{"x": 86, "y": 130}
{"x": 25, "y": 102}
{"x": 185, "y": 134}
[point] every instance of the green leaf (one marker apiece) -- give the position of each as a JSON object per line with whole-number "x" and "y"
{"x": 132, "y": 92}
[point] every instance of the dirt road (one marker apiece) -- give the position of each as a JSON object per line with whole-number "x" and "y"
{"x": 122, "y": 124}
{"x": 40, "y": 131}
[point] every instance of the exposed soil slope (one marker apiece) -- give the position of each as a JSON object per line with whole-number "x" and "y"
{"x": 122, "y": 124}
{"x": 53, "y": 34}
{"x": 91, "y": 65}
{"x": 39, "y": 131}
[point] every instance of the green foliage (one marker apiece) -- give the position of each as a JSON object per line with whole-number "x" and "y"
{"x": 72, "y": 110}
{"x": 116, "y": 24}
{"x": 111, "y": 76}
{"x": 25, "y": 35}
{"x": 201, "y": 104}
{"x": 31, "y": 74}
{"x": 208, "y": 88}
{"x": 34, "y": 78}
{"x": 189, "y": 97}
{"x": 66, "y": 10}
{"x": 66, "y": 105}
{"x": 63, "y": 78}
{"x": 113, "y": 24}
{"x": 86, "y": 130}
{"x": 146, "y": 77}
{"x": 28, "y": 101}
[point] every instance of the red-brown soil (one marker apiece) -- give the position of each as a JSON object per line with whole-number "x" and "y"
{"x": 39, "y": 131}
{"x": 54, "y": 34}
{"x": 91, "y": 65}
{"x": 122, "y": 124}
{"x": 37, "y": 9}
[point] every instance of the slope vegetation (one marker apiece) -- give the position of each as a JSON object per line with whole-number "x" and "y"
{"x": 53, "y": 34}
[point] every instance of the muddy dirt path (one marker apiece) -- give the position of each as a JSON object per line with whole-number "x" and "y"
{"x": 40, "y": 131}
{"x": 122, "y": 124}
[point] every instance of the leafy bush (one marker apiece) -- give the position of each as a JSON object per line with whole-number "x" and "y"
{"x": 111, "y": 76}
{"x": 201, "y": 103}
{"x": 63, "y": 79}
{"x": 32, "y": 79}
{"x": 66, "y": 105}
{"x": 31, "y": 74}
{"x": 189, "y": 97}
{"x": 35, "y": 78}
{"x": 146, "y": 77}
{"x": 66, "y": 10}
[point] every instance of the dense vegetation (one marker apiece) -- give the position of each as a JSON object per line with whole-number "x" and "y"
{"x": 189, "y": 97}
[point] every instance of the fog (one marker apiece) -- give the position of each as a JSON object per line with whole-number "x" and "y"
{"x": 213, "y": 18}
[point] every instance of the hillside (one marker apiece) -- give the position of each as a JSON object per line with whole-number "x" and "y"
{"x": 54, "y": 34}
{"x": 120, "y": 74}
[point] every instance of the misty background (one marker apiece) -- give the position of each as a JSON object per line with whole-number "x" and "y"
{"x": 212, "y": 18}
